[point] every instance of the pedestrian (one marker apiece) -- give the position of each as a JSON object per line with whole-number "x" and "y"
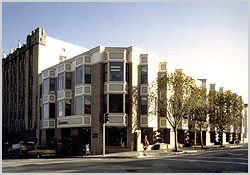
{"x": 145, "y": 143}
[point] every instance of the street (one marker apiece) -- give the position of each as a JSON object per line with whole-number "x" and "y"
{"x": 217, "y": 161}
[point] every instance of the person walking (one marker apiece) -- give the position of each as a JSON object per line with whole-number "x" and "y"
{"x": 145, "y": 143}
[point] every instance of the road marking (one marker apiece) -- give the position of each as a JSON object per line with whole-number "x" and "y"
{"x": 207, "y": 161}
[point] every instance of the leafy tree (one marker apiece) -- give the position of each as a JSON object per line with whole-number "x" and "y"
{"x": 225, "y": 109}
{"x": 172, "y": 91}
{"x": 198, "y": 107}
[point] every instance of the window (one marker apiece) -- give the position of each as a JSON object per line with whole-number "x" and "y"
{"x": 61, "y": 81}
{"x": 105, "y": 72}
{"x": 116, "y": 136}
{"x": 60, "y": 108}
{"x": 68, "y": 80}
{"x": 144, "y": 75}
{"x": 87, "y": 59}
{"x": 45, "y": 86}
{"x": 78, "y": 105}
{"x": 105, "y": 104}
{"x": 144, "y": 105}
{"x": 88, "y": 74}
{"x": 45, "y": 111}
{"x": 67, "y": 107}
{"x": 126, "y": 104}
{"x": 87, "y": 105}
{"x": 79, "y": 75}
{"x": 116, "y": 71}
{"x": 144, "y": 59}
{"x": 162, "y": 74}
{"x": 52, "y": 85}
{"x": 163, "y": 67}
{"x": 52, "y": 110}
{"x": 116, "y": 103}
{"x": 127, "y": 72}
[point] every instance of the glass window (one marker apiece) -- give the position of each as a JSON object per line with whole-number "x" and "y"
{"x": 126, "y": 104}
{"x": 61, "y": 81}
{"x": 105, "y": 72}
{"x": 87, "y": 105}
{"x": 79, "y": 75}
{"x": 116, "y": 103}
{"x": 105, "y": 104}
{"x": 67, "y": 107}
{"x": 68, "y": 80}
{"x": 52, "y": 110}
{"x": 45, "y": 111}
{"x": 116, "y": 136}
{"x": 116, "y": 71}
{"x": 52, "y": 85}
{"x": 144, "y": 105}
{"x": 60, "y": 108}
{"x": 88, "y": 74}
{"x": 45, "y": 86}
{"x": 144, "y": 75}
{"x": 78, "y": 105}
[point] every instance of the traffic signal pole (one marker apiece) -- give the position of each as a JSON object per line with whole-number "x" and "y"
{"x": 103, "y": 142}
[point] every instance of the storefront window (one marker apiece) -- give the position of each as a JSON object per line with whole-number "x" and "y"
{"x": 116, "y": 103}
{"x": 116, "y": 136}
{"x": 116, "y": 71}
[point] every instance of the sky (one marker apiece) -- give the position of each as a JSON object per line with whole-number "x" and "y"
{"x": 209, "y": 40}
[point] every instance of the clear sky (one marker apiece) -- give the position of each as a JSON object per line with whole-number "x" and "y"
{"x": 209, "y": 40}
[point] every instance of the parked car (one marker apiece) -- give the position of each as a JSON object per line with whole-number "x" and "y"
{"x": 41, "y": 150}
{"x": 20, "y": 149}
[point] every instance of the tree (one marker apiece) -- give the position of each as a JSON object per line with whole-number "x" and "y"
{"x": 225, "y": 109}
{"x": 172, "y": 90}
{"x": 198, "y": 107}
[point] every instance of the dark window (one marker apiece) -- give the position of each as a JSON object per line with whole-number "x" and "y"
{"x": 52, "y": 110}
{"x": 68, "y": 80}
{"x": 67, "y": 107}
{"x": 116, "y": 71}
{"x": 79, "y": 75}
{"x": 52, "y": 85}
{"x": 116, "y": 103}
{"x": 105, "y": 72}
{"x": 60, "y": 108}
{"x": 144, "y": 105}
{"x": 127, "y": 72}
{"x": 144, "y": 75}
{"x": 105, "y": 104}
{"x": 61, "y": 81}
{"x": 87, "y": 105}
{"x": 87, "y": 74}
{"x": 126, "y": 104}
{"x": 116, "y": 136}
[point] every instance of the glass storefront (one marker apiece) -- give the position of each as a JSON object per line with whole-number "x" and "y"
{"x": 116, "y": 136}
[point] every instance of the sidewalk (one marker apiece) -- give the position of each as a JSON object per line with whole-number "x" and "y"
{"x": 162, "y": 153}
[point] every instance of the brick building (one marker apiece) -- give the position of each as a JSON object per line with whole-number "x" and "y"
{"x": 20, "y": 87}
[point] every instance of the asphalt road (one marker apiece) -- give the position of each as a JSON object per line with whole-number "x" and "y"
{"x": 219, "y": 161}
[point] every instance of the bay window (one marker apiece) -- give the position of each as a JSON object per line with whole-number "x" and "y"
{"x": 116, "y": 71}
{"x": 87, "y": 74}
{"x": 78, "y": 105}
{"x": 116, "y": 103}
{"x": 87, "y": 105}
{"x": 79, "y": 75}
{"x": 144, "y": 105}
{"x": 61, "y": 81}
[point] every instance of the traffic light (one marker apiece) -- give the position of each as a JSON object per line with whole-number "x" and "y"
{"x": 106, "y": 117}
{"x": 101, "y": 118}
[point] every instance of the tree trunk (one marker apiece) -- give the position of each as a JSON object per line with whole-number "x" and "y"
{"x": 221, "y": 141}
{"x": 201, "y": 138}
{"x": 175, "y": 139}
